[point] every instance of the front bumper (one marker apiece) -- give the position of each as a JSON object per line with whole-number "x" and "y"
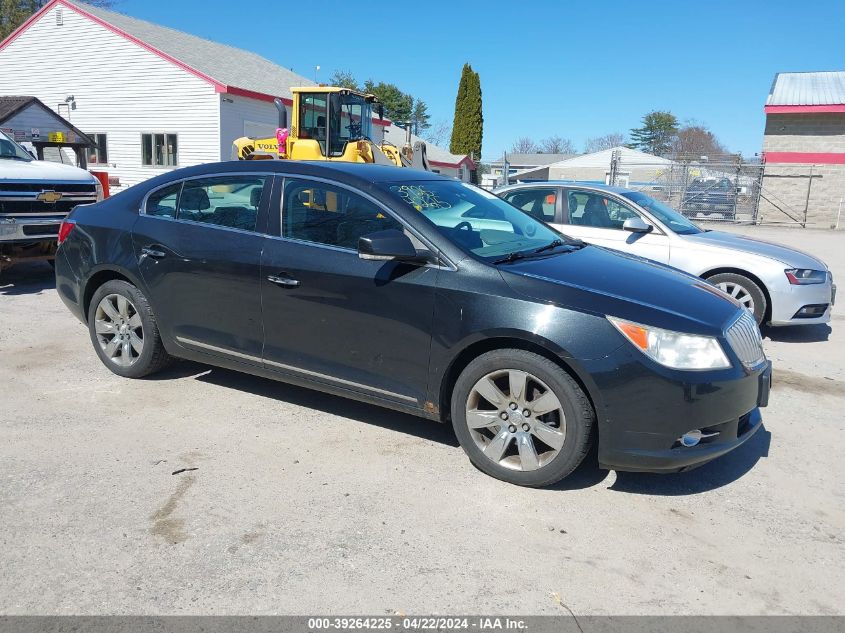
{"x": 644, "y": 410}
{"x": 788, "y": 300}
{"x": 29, "y": 229}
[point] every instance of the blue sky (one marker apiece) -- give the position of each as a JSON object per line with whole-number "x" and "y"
{"x": 573, "y": 68}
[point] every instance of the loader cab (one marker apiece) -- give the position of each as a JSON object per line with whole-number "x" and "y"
{"x": 333, "y": 118}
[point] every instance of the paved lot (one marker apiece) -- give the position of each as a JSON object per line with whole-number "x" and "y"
{"x": 305, "y": 503}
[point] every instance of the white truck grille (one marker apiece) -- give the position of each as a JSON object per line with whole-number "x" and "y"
{"x": 745, "y": 339}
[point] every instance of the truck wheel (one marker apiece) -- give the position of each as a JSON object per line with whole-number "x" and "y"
{"x": 124, "y": 332}
{"x": 741, "y": 288}
{"x": 521, "y": 418}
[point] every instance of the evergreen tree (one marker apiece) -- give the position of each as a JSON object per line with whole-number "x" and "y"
{"x": 420, "y": 117}
{"x": 657, "y": 133}
{"x": 468, "y": 125}
{"x": 398, "y": 106}
{"x": 342, "y": 79}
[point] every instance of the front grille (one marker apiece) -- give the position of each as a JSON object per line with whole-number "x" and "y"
{"x": 38, "y": 187}
{"x": 745, "y": 339}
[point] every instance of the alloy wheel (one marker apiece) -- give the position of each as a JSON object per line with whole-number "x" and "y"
{"x": 515, "y": 419}
{"x": 119, "y": 330}
{"x": 739, "y": 293}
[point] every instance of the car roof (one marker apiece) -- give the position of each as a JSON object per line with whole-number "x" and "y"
{"x": 350, "y": 173}
{"x": 574, "y": 183}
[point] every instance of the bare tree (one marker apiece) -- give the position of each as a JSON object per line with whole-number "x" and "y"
{"x": 524, "y": 145}
{"x": 557, "y": 145}
{"x": 438, "y": 134}
{"x": 695, "y": 140}
{"x": 608, "y": 141}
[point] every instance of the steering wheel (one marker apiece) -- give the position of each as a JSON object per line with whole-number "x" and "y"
{"x": 461, "y": 226}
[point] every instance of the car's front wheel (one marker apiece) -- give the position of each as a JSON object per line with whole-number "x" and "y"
{"x": 124, "y": 331}
{"x": 744, "y": 290}
{"x": 521, "y": 418}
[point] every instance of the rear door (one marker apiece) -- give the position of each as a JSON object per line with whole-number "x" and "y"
{"x": 597, "y": 218}
{"x": 328, "y": 315}
{"x": 198, "y": 244}
{"x": 541, "y": 203}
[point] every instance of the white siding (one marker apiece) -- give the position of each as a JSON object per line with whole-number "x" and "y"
{"x": 121, "y": 90}
{"x": 241, "y": 116}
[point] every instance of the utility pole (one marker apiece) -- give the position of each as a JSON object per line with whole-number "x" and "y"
{"x": 506, "y": 168}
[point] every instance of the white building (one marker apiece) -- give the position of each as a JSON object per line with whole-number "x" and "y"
{"x": 152, "y": 97}
{"x": 635, "y": 168}
{"x": 520, "y": 162}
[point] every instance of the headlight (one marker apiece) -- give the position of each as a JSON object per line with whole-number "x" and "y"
{"x": 99, "y": 187}
{"x": 674, "y": 349}
{"x": 805, "y": 276}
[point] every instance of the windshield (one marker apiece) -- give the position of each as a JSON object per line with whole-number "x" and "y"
{"x": 671, "y": 218}
{"x": 9, "y": 150}
{"x": 474, "y": 219}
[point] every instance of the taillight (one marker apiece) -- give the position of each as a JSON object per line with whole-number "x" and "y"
{"x": 65, "y": 229}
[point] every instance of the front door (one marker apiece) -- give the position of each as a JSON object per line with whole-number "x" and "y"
{"x": 199, "y": 248}
{"x": 329, "y": 315}
{"x": 597, "y": 218}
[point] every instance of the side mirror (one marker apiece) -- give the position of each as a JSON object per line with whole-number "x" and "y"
{"x": 387, "y": 245}
{"x": 637, "y": 225}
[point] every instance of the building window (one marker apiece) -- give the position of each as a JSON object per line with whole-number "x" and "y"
{"x": 159, "y": 150}
{"x": 99, "y": 154}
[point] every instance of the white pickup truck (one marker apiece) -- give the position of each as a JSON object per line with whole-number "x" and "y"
{"x": 34, "y": 198}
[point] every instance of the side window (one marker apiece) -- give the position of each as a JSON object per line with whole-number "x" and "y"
{"x": 321, "y": 213}
{"x": 538, "y": 203}
{"x": 597, "y": 210}
{"x": 230, "y": 201}
{"x": 163, "y": 202}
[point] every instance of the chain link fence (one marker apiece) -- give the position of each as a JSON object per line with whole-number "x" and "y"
{"x": 713, "y": 191}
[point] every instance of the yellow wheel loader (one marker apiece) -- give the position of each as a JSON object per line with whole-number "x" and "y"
{"x": 330, "y": 123}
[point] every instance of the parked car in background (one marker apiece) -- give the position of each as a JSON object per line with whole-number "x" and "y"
{"x": 423, "y": 294}
{"x": 711, "y": 194}
{"x": 779, "y": 285}
{"x": 34, "y": 198}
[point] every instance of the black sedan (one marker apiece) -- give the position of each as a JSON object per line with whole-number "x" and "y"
{"x": 423, "y": 294}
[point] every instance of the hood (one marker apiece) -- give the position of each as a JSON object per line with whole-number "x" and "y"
{"x": 605, "y": 282}
{"x": 40, "y": 170}
{"x": 784, "y": 254}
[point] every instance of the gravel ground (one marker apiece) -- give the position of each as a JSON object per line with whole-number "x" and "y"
{"x": 301, "y": 503}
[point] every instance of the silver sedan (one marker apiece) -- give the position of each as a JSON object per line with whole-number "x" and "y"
{"x": 779, "y": 285}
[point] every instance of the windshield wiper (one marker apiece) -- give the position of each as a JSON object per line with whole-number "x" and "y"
{"x": 512, "y": 257}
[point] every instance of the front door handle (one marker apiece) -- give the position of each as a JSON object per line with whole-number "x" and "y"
{"x": 152, "y": 252}
{"x": 285, "y": 282}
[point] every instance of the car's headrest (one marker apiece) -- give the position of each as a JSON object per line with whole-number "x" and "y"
{"x": 194, "y": 200}
{"x": 255, "y": 196}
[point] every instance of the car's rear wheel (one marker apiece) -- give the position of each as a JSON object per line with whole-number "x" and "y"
{"x": 744, "y": 290}
{"x": 521, "y": 418}
{"x": 124, "y": 331}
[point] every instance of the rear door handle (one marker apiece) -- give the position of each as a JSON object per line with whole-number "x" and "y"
{"x": 152, "y": 252}
{"x": 285, "y": 282}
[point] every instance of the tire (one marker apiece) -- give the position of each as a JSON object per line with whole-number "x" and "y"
{"x": 120, "y": 311}
{"x": 558, "y": 443}
{"x": 744, "y": 290}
